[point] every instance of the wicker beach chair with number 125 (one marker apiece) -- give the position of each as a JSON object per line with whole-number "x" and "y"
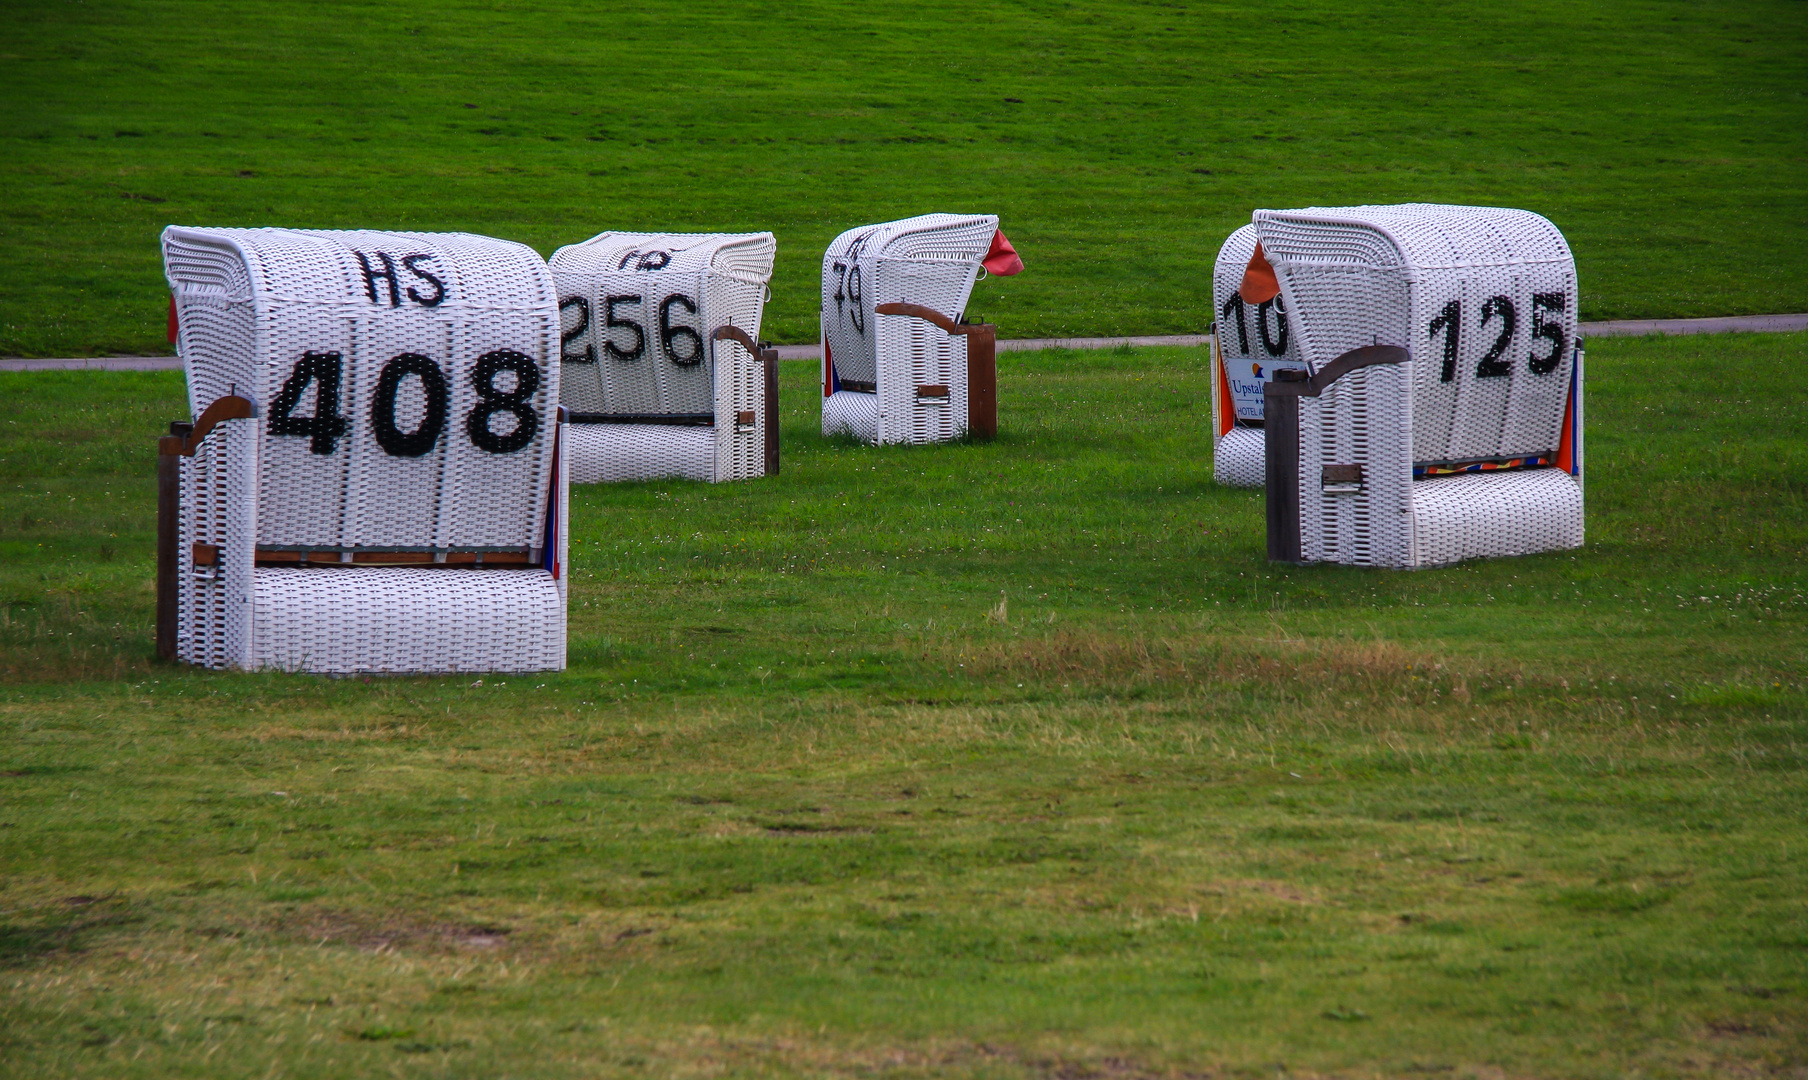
{"x": 1440, "y": 415}
{"x": 372, "y": 478}
{"x": 899, "y": 363}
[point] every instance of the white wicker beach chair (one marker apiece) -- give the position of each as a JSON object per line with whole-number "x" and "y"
{"x": 1462, "y": 441}
{"x": 652, "y": 392}
{"x": 899, "y": 364}
{"x": 372, "y": 481}
{"x": 1250, "y": 342}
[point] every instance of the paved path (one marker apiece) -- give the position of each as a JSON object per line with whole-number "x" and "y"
{"x": 1630, "y": 327}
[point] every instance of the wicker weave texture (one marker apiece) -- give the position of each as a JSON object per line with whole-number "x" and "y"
{"x": 1253, "y": 341}
{"x": 398, "y": 620}
{"x": 219, "y": 500}
{"x": 1239, "y": 459}
{"x": 637, "y": 312}
{"x": 362, "y": 322}
{"x": 849, "y": 412}
{"x": 1364, "y": 418}
{"x": 1484, "y": 300}
{"x": 403, "y": 386}
{"x": 348, "y": 619}
{"x": 1476, "y": 515}
{"x": 613, "y": 453}
{"x": 932, "y": 260}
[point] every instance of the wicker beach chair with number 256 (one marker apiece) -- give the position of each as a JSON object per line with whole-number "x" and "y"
{"x": 899, "y": 362}
{"x": 1439, "y": 417}
{"x": 665, "y": 375}
{"x": 372, "y": 481}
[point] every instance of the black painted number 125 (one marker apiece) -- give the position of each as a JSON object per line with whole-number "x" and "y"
{"x": 1449, "y": 322}
{"x": 326, "y": 370}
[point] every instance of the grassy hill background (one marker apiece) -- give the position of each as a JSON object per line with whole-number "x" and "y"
{"x": 1120, "y": 142}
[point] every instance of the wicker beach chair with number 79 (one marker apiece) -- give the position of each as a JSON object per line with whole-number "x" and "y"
{"x": 371, "y": 481}
{"x": 664, "y": 375}
{"x": 899, "y": 363}
{"x": 1440, "y": 415}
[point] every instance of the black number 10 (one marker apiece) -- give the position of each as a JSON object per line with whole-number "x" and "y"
{"x": 1274, "y": 345}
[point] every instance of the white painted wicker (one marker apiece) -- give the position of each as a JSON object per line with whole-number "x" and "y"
{"x": 402, "y": 387}
{"x": 1253, "y": 341}
{"x": 1238, "y": 459}
{"x": 874, "y": 364}
{"x": 1485, "y": 301}
{"x": 638, "y": 310}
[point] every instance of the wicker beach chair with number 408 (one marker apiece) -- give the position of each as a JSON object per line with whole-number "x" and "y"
{"x": 899, "y": 363}
{"x": 1440, "y": 418}
{"x": 371, "y": 481}
{"x": 664, "y": 373}
{"x": 1250, "y": 342}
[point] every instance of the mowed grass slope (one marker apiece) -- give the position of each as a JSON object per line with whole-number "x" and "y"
{"x": 1120, "y": 142}
{"x": 1007, "y": 760}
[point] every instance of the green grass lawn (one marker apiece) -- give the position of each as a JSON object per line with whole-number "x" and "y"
{"x": 1003, "y": 760}
{"x": 1120, "y": 142}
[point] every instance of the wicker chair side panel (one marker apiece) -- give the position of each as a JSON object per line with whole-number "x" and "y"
{"x": 397, "y": 621}
{"x": 938, "y": 237}
{"x": 216, "y": 317}
{"x": 915, "y": 353}
{"x": 1239, "y": 459}
{"x": 1485, "y": 515}
{"x": 847, "y": 412}
{"x": 562, "y": 542}
{"x": 740, "y": 378}
{"x": 747, "y": 258}
{"x": 613, "y": 453}
{"x": 216, "y": 547}
{"x": 200, "y": 593}
{"x": 1361, "y": 419}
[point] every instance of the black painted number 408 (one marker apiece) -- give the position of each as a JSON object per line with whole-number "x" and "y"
{"x": 326, "y": 370}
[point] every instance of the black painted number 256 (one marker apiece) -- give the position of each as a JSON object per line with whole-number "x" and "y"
{"x": 325, "y": 371}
